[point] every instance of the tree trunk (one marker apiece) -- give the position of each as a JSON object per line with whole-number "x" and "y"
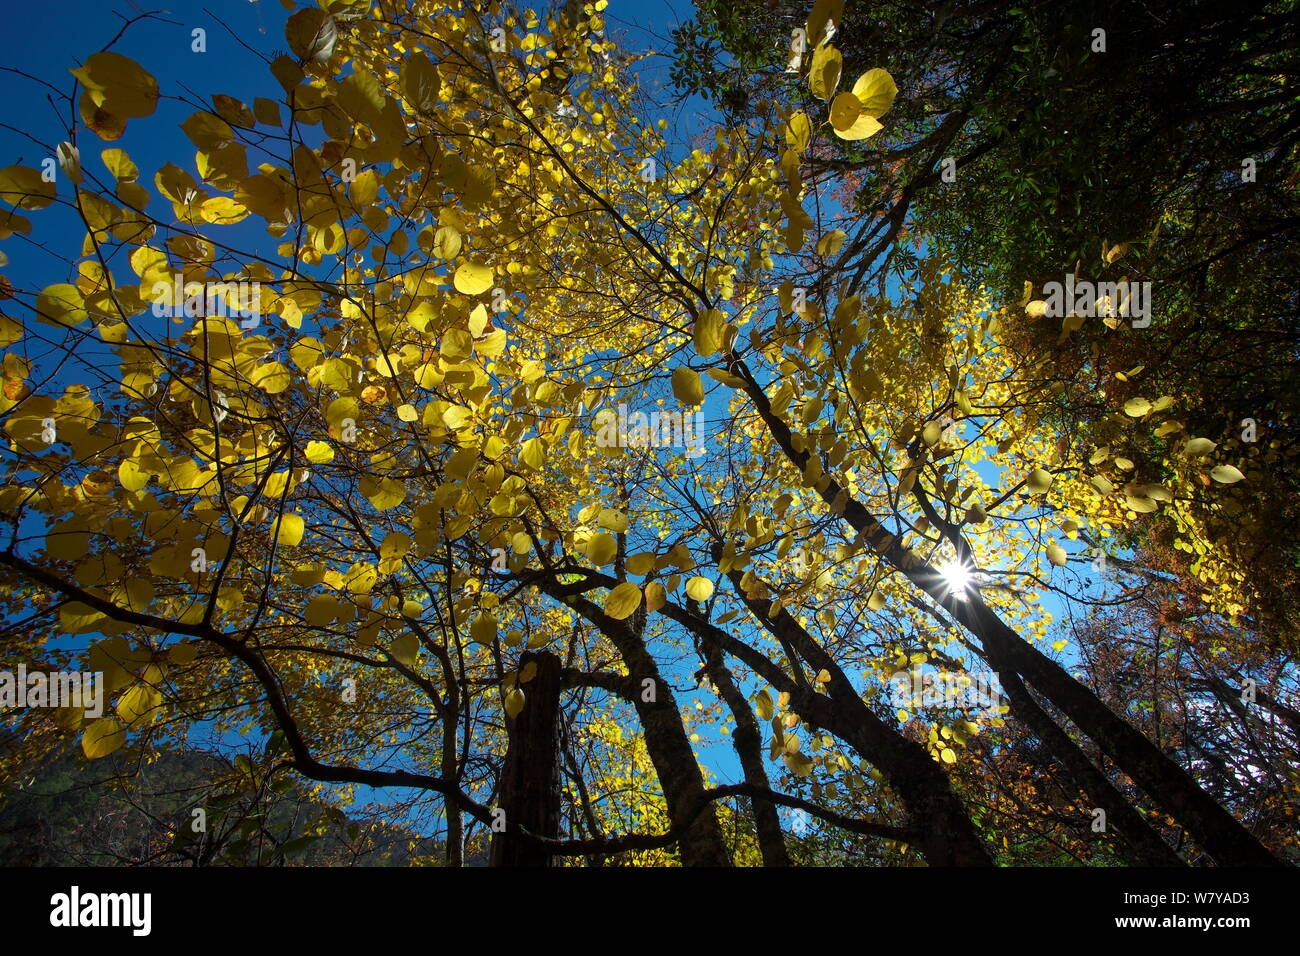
{"x": 530, "y": 784}
{"x": 748, "y": 744}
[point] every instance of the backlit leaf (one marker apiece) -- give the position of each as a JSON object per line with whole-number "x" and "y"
{"x": 687, "y": 386}
{"x": 623, "y": 601}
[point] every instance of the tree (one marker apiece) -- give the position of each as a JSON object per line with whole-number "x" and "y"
{"x": 1126, "y": 140}
{"x": 455, "y": 447}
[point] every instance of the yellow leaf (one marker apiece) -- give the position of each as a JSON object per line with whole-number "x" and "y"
{"x": 287, "y": 530}
{"x": 1136, "y": 407}
{"x": 119, "y": 164}
{"x": 514, "y": 702}
{"x": 798, "y": 131}
{"x": 824, "y": 13}
{"x": 456, "y": 417}
{"x": 61, "y": 304}
{"x": 405, "y": 649}
{"x": 623, "y": 601}
{"x": 472, "y": 278}
{"x": 707, "y": 332}
{"x": 446, "y": 242}
{"x": 492, "y": 344}
{"x": 533, "y": 454}
{"x": 1226, "y": 474}
{"x": 831, "y": 243}
{"x": 319, "y": 452}
{"x": 272, "y": 378}
{"x": 699, "y": 588}
{"x": 311, "y": 34}
{"x": 845, "y": 110}
{"x": 456, "y": 345}
{"x": 321, "y": 610}
{"x": 825, "y": 73}
{"x": 11, "y": 330}
{"x": 118, "y": 85}
{"x": 863, "y": 128}
{"x": 612, "y": 519}
{"x": 365, "y": 188}
{"x": 383, "y": 493}
{"x": 763, "y": 704}
{"x": 478, "y": 320}
{"x": 132, "y": 474}
{"x": 23, "y": 187}
{"x": 655, "y": 597}
{"x": 420, "y": 83}
{"x": 102, "y": 737}
{"x": 138, "y": 704}
{"x": 483, "y": 629}
{"x": 800, "y": 765}
{"x": 875, "y": 90}
{"x": 1056, "y": 554}
{"x": 1039, "y": 481}
{"x": 222, "y": 210}
{"x": 688, "y": 386}
{"x": 461, "y": 463}
{"x": 395, "y": 545}
{"x": 640, "y": 563}
{"x": 601, "y": 549}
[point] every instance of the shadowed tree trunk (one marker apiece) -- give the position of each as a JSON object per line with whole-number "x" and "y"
{"x": 530, "y": 785}
{"x": 748, "y": 745}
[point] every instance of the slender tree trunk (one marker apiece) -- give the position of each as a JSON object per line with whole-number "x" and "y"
{"x": 748, "y": 745}
{"x": 454, "y": 851}
{"x": 945, "y": 834}
{"x": 674, "y": 760}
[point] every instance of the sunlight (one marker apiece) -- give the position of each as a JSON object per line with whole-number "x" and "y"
{"x": 957, "y": 575}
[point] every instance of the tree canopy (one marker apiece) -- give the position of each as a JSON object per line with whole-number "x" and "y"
{"x": 448, "y": 425}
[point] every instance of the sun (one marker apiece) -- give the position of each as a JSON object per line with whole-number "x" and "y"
{"x": 958, "y": 577}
